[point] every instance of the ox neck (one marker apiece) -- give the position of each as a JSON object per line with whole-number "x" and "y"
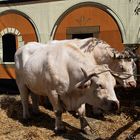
{"x": 100, "y": 52}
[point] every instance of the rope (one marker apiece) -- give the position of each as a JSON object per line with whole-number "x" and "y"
{"x": 137, "y": 75}
{"x": 119, "y": 73}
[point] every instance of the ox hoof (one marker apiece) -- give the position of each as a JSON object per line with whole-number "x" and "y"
{"x": 60, "y": 131}
{"x": 88, "y": 131}
{"x": 26, "y": 120}
{"x": 36, "y": 113}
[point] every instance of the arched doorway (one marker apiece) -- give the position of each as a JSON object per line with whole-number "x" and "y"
{"x": 88, "y": 19}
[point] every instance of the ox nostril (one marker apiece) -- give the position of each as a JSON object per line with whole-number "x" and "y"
{"x": 114, "y": 105}
{"x": 132, "y": 84}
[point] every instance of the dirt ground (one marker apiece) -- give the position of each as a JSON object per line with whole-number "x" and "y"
{"x": 125, "y": 125}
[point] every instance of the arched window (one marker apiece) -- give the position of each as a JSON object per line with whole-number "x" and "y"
{"x": 9, "y": 47}
{"x": 10, "y": 40}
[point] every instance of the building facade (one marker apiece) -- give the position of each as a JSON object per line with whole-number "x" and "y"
{"x": 117, "y": 22}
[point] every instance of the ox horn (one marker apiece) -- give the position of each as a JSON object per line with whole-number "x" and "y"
{"x": 85, "y": 83}
{"x": 88, "y": 76}
{"x": 84, "y": 72}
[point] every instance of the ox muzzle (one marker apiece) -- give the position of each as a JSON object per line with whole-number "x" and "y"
{"x": 131, "y": 84}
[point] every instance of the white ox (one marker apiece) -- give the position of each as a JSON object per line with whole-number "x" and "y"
{"x": 102, "y": 53}
{"x": 68, "y": 78}
{"x": 99, "y": 52}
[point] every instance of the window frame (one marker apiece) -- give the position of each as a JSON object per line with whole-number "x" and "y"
{"x": 19, "y": 41}
{"x": 95, "y": 30}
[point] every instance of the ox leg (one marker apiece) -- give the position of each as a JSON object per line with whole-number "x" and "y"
{"x": 35, "y": 103}
{"x": 85, "y": 127}
{"x": 24, "y": 94}
{"x": 83, "y": 122}
{"x": 58, "y": 110}
{"x": 59, "y": 126}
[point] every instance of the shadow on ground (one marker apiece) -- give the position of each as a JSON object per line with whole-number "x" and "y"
{"x": 13, "y": 108}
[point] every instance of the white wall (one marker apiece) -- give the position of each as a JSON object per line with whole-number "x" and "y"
{"x": 44, "y": 15}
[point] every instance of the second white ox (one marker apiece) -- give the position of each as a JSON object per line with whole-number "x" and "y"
{"x": 68, "y": 78}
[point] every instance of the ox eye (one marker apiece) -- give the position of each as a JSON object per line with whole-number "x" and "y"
{"x": 100, "y": 86}
{"x": 122, "y": 68}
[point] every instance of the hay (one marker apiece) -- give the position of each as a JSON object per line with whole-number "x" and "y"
{"x": 125, "y": 125}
